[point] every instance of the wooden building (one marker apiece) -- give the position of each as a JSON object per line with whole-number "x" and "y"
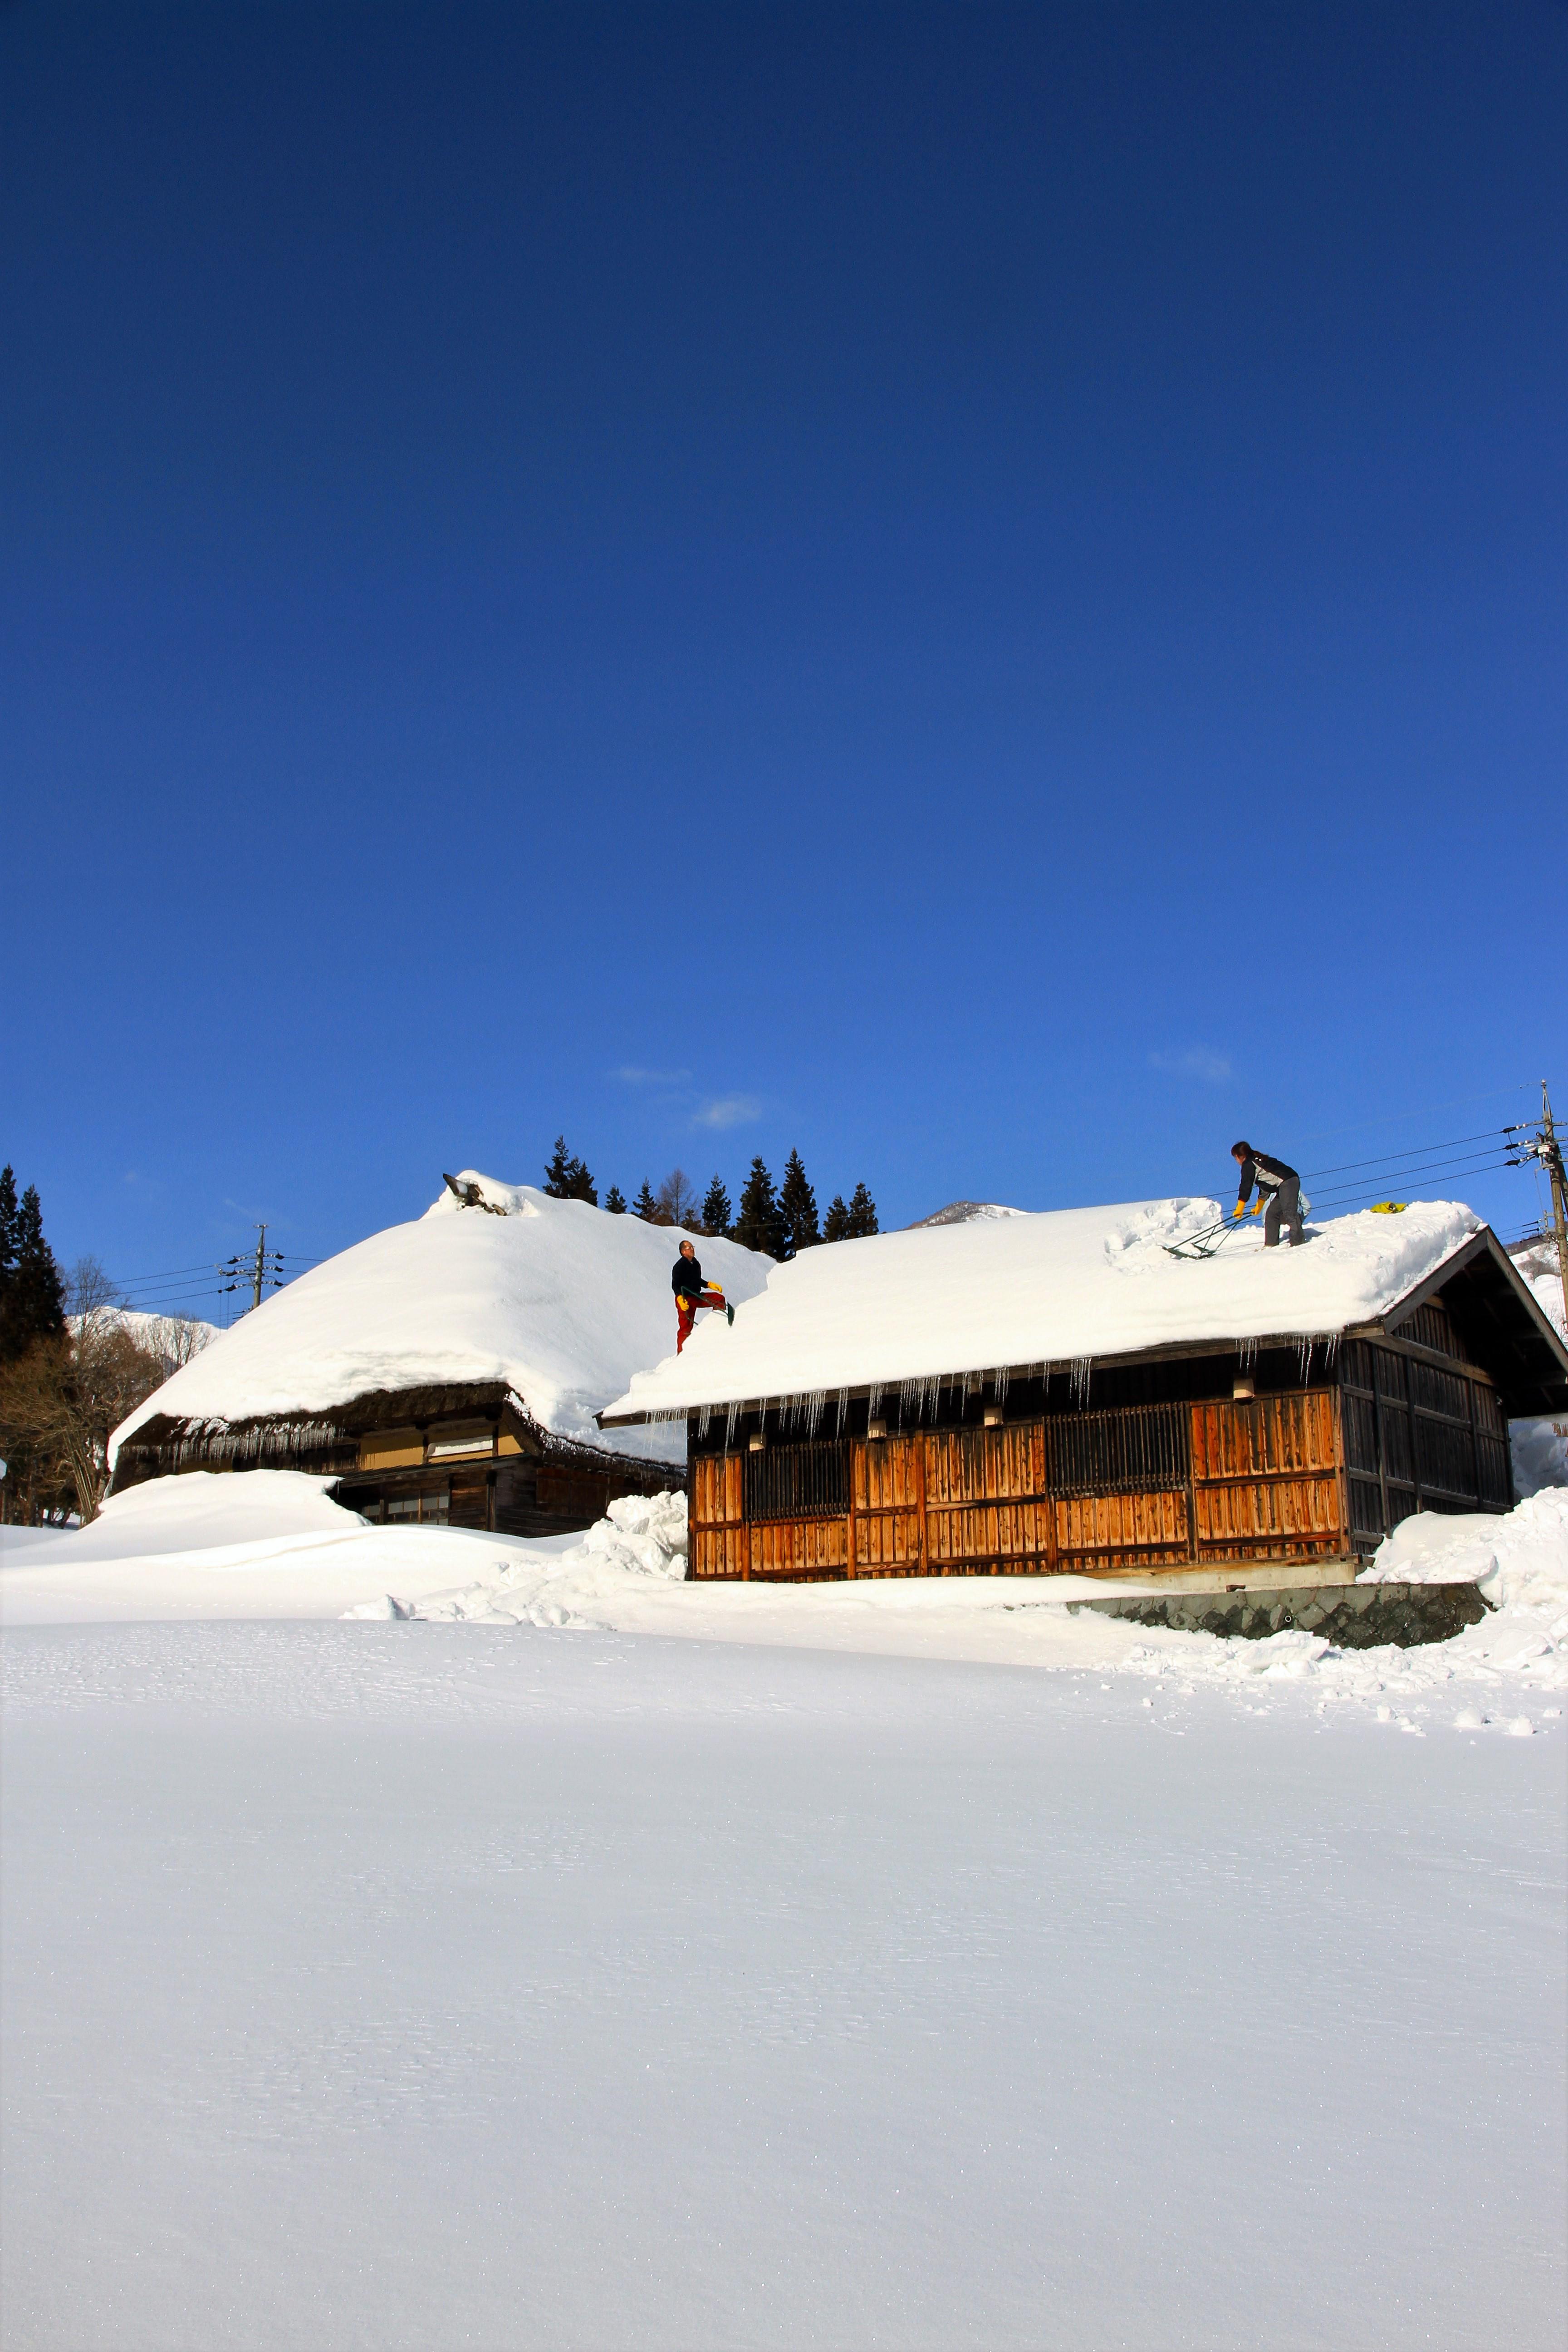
{"x": 1185, "y": 1454}
{"x": 465, "y": 1454}
{"x": 446, "y": 1371}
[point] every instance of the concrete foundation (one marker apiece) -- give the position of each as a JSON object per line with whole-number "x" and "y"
{"x": 1352, "y": 1617}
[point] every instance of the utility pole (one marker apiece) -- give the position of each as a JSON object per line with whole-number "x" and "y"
{"x": 262, "y": 1269}
{"x": 1551, "y": 1155}
{"x": 1540, "y": 1144}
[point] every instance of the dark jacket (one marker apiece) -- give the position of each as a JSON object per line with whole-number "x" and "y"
{"x": 1266, "y": 1173}
{"x": 686, "y": 1278}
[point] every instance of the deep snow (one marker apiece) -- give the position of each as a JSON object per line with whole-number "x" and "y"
{"x": 431, "y": 1986}
{"x": 1058, "y": 1287}
{"x": 562, "y": 1301}
{"x": 272, "y": 1544}
{"x": 835, "y": 1978}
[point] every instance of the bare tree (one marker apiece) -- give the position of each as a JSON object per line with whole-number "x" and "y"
{"x": 59, "y": 1405}
{"x": 174, "y": 1339}
{"x": 89, "y": 1290}
{"x": 677, "y": 1199}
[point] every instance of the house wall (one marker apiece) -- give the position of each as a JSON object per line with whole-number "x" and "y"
{"x": 1424, "y": 1431}
{"x": 509, "y": 1495}
{"x": 1135, "y": 1487}
{"x": 482, "y": 1467}
{"x": 1129, "y": 1468}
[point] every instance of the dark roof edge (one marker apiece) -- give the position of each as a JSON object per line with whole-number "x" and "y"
{"x": 1173, "y": 1351}
{"x": 1484, "y": 1243}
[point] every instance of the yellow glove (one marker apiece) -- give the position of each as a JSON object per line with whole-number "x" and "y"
{"x": 1238, "y": 1211}
{"x": 1257, "y": 1206}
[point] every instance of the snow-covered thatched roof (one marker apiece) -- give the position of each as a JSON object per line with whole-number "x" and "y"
{"x": 560, "y": 1301}
{"x": 997, "y": 1291}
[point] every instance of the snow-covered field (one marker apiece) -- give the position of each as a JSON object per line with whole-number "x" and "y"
{"x": 893, "y": 1965}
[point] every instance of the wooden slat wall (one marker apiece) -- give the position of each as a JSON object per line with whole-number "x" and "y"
{"x": 796, "y": 1549}
{"x": 718, "y": 1535}
{"x": 1267, "y": 1481}
{"x": 1121, "y": 1531}
{"x": 1268, "y": 1477}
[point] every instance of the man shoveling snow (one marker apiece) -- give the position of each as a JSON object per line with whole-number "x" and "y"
{"x": 1278, "y": 1185}
{"x": 692, "y": 1292}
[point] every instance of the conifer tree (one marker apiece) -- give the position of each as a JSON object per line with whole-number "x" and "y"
{"x": 32, "y": 1303}
{"x": 566, "y": 1177}
{"x": 614, "y": 1202}
{"x": 8, "y": 1216}
{"x": 759, "y": 1226}
{"x": 716, "y": 1211}
{"x": 644, "y": 1206}
{"x": 835, "y": 1224}
{"x": 862, "y": 1219}
{"x": 797, "y": 1209}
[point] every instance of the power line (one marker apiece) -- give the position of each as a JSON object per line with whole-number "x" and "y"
{"x": 1444, "y": 1168}
{"x": 1417, "y": 1152}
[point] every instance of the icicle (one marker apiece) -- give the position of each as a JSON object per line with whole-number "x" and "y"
{"x": 703, "y": 1418}
{"x": 814, "y": 1402}
{"x": 1304, "y": 1355}
{"x": 1248, "y": 1354}
{"x": 874, "y": 1401}
{"x": 730, "y": 1418}
{"x": 1082, "y": 1370}
{"x": 1332, "y": 1349}
{"x": 999, "y": 1385}
{"x": 843, "y": 1408}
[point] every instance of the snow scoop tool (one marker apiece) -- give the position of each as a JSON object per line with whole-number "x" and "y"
{"x": 1204, "y": 1243}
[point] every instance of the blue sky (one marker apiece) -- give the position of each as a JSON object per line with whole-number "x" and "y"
{"x": 978, "y": 591}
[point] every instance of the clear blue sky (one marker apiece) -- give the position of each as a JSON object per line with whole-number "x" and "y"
{"x": 979, "y": 592}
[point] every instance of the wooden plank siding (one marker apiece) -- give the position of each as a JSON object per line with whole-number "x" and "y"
{"x": 1229, "y": 1479}
{"x": 1268, "y": 1477}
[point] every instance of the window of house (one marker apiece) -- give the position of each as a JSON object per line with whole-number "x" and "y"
{"x": 430, "y": 1510}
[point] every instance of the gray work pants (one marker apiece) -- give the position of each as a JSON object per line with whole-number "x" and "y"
{"x": 1286, "y": 1203}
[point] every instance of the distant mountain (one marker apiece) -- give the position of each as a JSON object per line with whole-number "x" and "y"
{"x": 962, "y": 1213}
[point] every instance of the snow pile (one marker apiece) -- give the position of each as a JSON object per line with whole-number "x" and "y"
{"x": 641, "y": 1537}
{"x": 208, "y": 1510}
{"x": 1521, "y": 1555}
{"x": 1541, "y": 1443}
{"x": 560, "y": 1300}
{"x": 1051, "y": 1288}
{"x": 1539, "y": 1453}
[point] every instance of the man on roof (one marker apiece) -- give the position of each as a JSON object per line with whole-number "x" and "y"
{"x": 690, "y": 1293}
{"x": 1277, "y": 1186}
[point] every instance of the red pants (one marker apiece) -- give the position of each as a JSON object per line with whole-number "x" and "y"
{"x": 686, "y": 1308}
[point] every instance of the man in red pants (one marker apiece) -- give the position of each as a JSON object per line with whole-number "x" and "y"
{"x": 690, "y": 1293}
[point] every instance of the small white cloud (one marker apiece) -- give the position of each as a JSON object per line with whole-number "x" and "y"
{"x": 1197, "y": 1062}
{"x": 629, "y": 1077}
{"x": 728, "y": 1111}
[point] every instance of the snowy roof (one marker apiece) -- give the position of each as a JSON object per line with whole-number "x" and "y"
{"x": 1056, "y": 1288}
{"x": 559, "y": 1300}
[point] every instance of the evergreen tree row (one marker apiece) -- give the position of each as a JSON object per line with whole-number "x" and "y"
{"x": 781, "y": 1222}
{"x": 32, "y": 1292}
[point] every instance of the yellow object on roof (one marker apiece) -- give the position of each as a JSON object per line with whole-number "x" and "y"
{"x": 1389, "y": 1208}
